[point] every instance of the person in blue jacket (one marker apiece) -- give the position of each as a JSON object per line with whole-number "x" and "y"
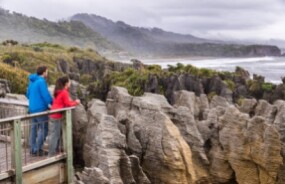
{"x": 39, "y": 101}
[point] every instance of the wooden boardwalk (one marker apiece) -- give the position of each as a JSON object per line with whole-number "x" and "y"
{"x": 27, "y": 159}
{"x": 16, "y": 163}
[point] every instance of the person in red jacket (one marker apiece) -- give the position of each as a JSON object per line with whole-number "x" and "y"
{"x": 61, "y": 100}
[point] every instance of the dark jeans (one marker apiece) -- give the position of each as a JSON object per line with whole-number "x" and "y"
{"x": 38, "y": 134}
{"x": 55, "y": 130}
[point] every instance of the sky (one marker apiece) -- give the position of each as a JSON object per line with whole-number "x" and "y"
{"x": 215, "y": 19}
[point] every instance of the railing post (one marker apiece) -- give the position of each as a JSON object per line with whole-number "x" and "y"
{"x": 68, "y": 146}
{"x": 17, "y": 150}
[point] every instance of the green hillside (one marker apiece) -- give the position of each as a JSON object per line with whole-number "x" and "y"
{"x": 32, "y": 30}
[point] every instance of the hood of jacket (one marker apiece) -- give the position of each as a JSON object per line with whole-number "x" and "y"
{"x": 34, "y": 77}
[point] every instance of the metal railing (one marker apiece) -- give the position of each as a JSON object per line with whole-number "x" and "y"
{"x": 15, "y": 154}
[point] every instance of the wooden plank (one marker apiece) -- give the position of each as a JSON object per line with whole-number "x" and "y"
{"x": 50, "y": 174}
{"x": 44, "y": 162}
{"x": 6, "y": 174}
{"x": 69, "y": 147}
{"x": 62, "y": 176}
{"x": 36, "y": 165}
{"x": 18, "y": 151}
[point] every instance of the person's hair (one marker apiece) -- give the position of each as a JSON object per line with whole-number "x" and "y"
{"x": 60, "y": 84}
{"x": 41, "y": 70}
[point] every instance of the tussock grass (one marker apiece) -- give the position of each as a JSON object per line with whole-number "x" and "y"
{"x": 17, "y": 77}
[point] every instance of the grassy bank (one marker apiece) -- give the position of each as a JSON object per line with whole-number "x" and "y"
{"x": 17, "y": 61}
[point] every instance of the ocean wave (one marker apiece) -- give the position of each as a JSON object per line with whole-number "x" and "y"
{"x": 272, "y": 68}
{"x": 209, "y": 63}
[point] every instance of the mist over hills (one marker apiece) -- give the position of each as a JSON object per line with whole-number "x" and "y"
{"x": 122, "y": 32}
{"x": 120, "y": 39}
{"x": 278, "y": 42}
{"x": 155, "y": 42}
{"x": 32, "y": 30}
{"x": 138, "y": 40}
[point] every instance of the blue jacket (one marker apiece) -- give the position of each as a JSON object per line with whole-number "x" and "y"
{"x": 38, "y": 94}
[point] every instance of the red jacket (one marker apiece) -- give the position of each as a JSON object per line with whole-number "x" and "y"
{"x": 61, "y": 100}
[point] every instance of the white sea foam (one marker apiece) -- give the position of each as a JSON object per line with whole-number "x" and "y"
{"x": 271, "y": 67}
{"x": 208, "y": 62}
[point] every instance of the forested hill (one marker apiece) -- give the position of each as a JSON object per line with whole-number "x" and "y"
{"x": 155, "y": 42}
{"x": 32, "y": 30}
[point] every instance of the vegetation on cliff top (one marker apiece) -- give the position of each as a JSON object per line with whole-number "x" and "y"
{"x": 22, "y": 59}
{"x": 136, "y": 80}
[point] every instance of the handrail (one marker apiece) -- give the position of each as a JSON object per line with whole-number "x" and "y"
{"x": 29, "y": 116}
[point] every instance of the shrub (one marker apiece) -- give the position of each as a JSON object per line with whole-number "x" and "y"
{"x": 73, "y": 49}
{"x": 10, "y": 42}
{"x": 6, "y": 58}
{"x": 230, "y": 84}
{"x": 18, "y": 78}
{"x": 154, "y": 68}
{"x": 90, "y": 50}
{"x": 226, "y": 75}
{"x": 267, "y": 87}
{"x": 204, "y": 72}
{"x": 11, "y": 58}
{"x": 211, "y": 95}
{"x": 37, "y": 49}
{"x": 254, "y": 87}
{"x": 85, "y": 79}
{"x": 240, "y": 101}
{"x": 131, "y": 79}
{"x": 46, "y": 44}
{"x": 178, "y": 68}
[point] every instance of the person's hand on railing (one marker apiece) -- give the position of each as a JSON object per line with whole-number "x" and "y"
{"x": 78, "y": 101}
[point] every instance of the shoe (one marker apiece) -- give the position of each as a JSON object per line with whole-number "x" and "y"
{"x": 42, "y": 153}
{"x": 33, "y": 154}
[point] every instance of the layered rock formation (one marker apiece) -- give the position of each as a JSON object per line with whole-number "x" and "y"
{"x": 146, "y": 140}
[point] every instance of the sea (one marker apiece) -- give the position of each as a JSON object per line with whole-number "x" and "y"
{"x": 272, "y": 68}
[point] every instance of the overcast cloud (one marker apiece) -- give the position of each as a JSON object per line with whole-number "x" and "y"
{"x": 242, "y": 19}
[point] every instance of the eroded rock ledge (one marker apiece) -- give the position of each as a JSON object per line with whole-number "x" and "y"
{"x": 146, "y": 140}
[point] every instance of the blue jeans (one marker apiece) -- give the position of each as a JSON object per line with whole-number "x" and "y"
{"x": 55, "y": 129}
{"x": 38, "y": 134}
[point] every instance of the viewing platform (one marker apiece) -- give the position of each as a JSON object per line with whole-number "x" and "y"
{"x": 17, "y": 165}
